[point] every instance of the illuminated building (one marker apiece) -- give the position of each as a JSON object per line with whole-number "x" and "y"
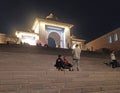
{"x": 27, "y": 37}
{"x": 2, "y": 38}
{"x": 109, "y": 41}
{"x": 80, "y": 42}
{"x": 52, "y": 32}
{"x": 8, "y": 39}
{"x": 49, "y": 31}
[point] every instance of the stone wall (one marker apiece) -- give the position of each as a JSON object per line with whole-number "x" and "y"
{"x": 103, "y": 42}
{"x": 2, "y": 38}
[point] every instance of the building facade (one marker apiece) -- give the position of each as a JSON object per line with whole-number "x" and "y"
{"x": 54, "y": 33}
{"x": 80, "y": 42}
{"x": 49, "y": 31}
{"x": 109, "y": 41}
{"x": 27, "y": 37}
{"x": 2, "y": 38}
{"x": 8, "y": 39}
{"x": 45, "y": 31}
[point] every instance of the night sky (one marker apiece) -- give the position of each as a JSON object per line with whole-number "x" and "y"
{"x": 91, "y": 18}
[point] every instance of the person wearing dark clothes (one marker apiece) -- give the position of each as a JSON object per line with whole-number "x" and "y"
{"x": 59, "y": 63}
{"x": 67, "y": 65}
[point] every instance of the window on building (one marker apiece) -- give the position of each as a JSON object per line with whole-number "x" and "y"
{"x": 110, "y": 39}
{"x": 115, "y": 37}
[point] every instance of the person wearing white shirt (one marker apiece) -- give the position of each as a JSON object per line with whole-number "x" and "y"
{"x": 76, "y": 57}
{"x": 113, "y": 59}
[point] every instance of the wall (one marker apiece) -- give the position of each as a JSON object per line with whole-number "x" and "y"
{"x": 103, "y": 42}
{"x": 40, "y": 28}
{"x": 2, "y": 38}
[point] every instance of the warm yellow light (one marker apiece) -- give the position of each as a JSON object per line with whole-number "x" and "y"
{"x": 67, "y": 29}
{"x": 73, "y": 47}
{"x": 42, "y": 24}
{"x": 29, "y": 41}
{"x": 35, "y": 24}
{"x": 28, "y": 38}
{"x": 37, "y": 29}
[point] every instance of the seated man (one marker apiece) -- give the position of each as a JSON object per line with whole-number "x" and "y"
{"x": 59, "y": 63}
{"x": 67, "y": 65}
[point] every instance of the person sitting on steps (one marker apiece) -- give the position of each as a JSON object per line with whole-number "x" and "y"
{"x": 59, "y": 63}
{"x": 113, "y": 59}
{"x": 113, "y": 62}
{"x": 67, "y": 65}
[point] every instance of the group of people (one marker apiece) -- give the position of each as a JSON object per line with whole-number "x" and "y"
{"x": 63, "y": 63}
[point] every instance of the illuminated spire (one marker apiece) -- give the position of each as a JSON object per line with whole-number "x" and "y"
{"x": 51, "y": 17}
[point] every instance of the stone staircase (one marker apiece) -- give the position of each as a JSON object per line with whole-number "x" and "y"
{"x": 33, "y": 49}
{"x": 33, "y": 72}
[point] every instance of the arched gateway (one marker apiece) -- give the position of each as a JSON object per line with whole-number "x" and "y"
{"x": 54, "y": 39}
{"x": 51, "y": 31}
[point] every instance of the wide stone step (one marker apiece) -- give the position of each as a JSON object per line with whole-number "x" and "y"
{"x": 34, "y": 49}
{"x": 58, "y": 91}
{"x": 33, "y": 91}
{"x": 108, "y": 91}
{"x": 92, "y": 89}
{"x": 48, "y": 67}
{"x": 76, "y": 76}
{"x": 57, "y": 88}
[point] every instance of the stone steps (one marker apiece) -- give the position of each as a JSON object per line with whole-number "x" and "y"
{"x": 108, "y": 91}
{"x": 35, "y": 73}
{"x": 59, "y": 88}
{"x": 33, "y": 49}
{"x": 53, "y": 73}
{"x": 61, "y": 81}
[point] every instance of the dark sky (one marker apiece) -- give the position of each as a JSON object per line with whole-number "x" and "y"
{"x": 91, "y": 18}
